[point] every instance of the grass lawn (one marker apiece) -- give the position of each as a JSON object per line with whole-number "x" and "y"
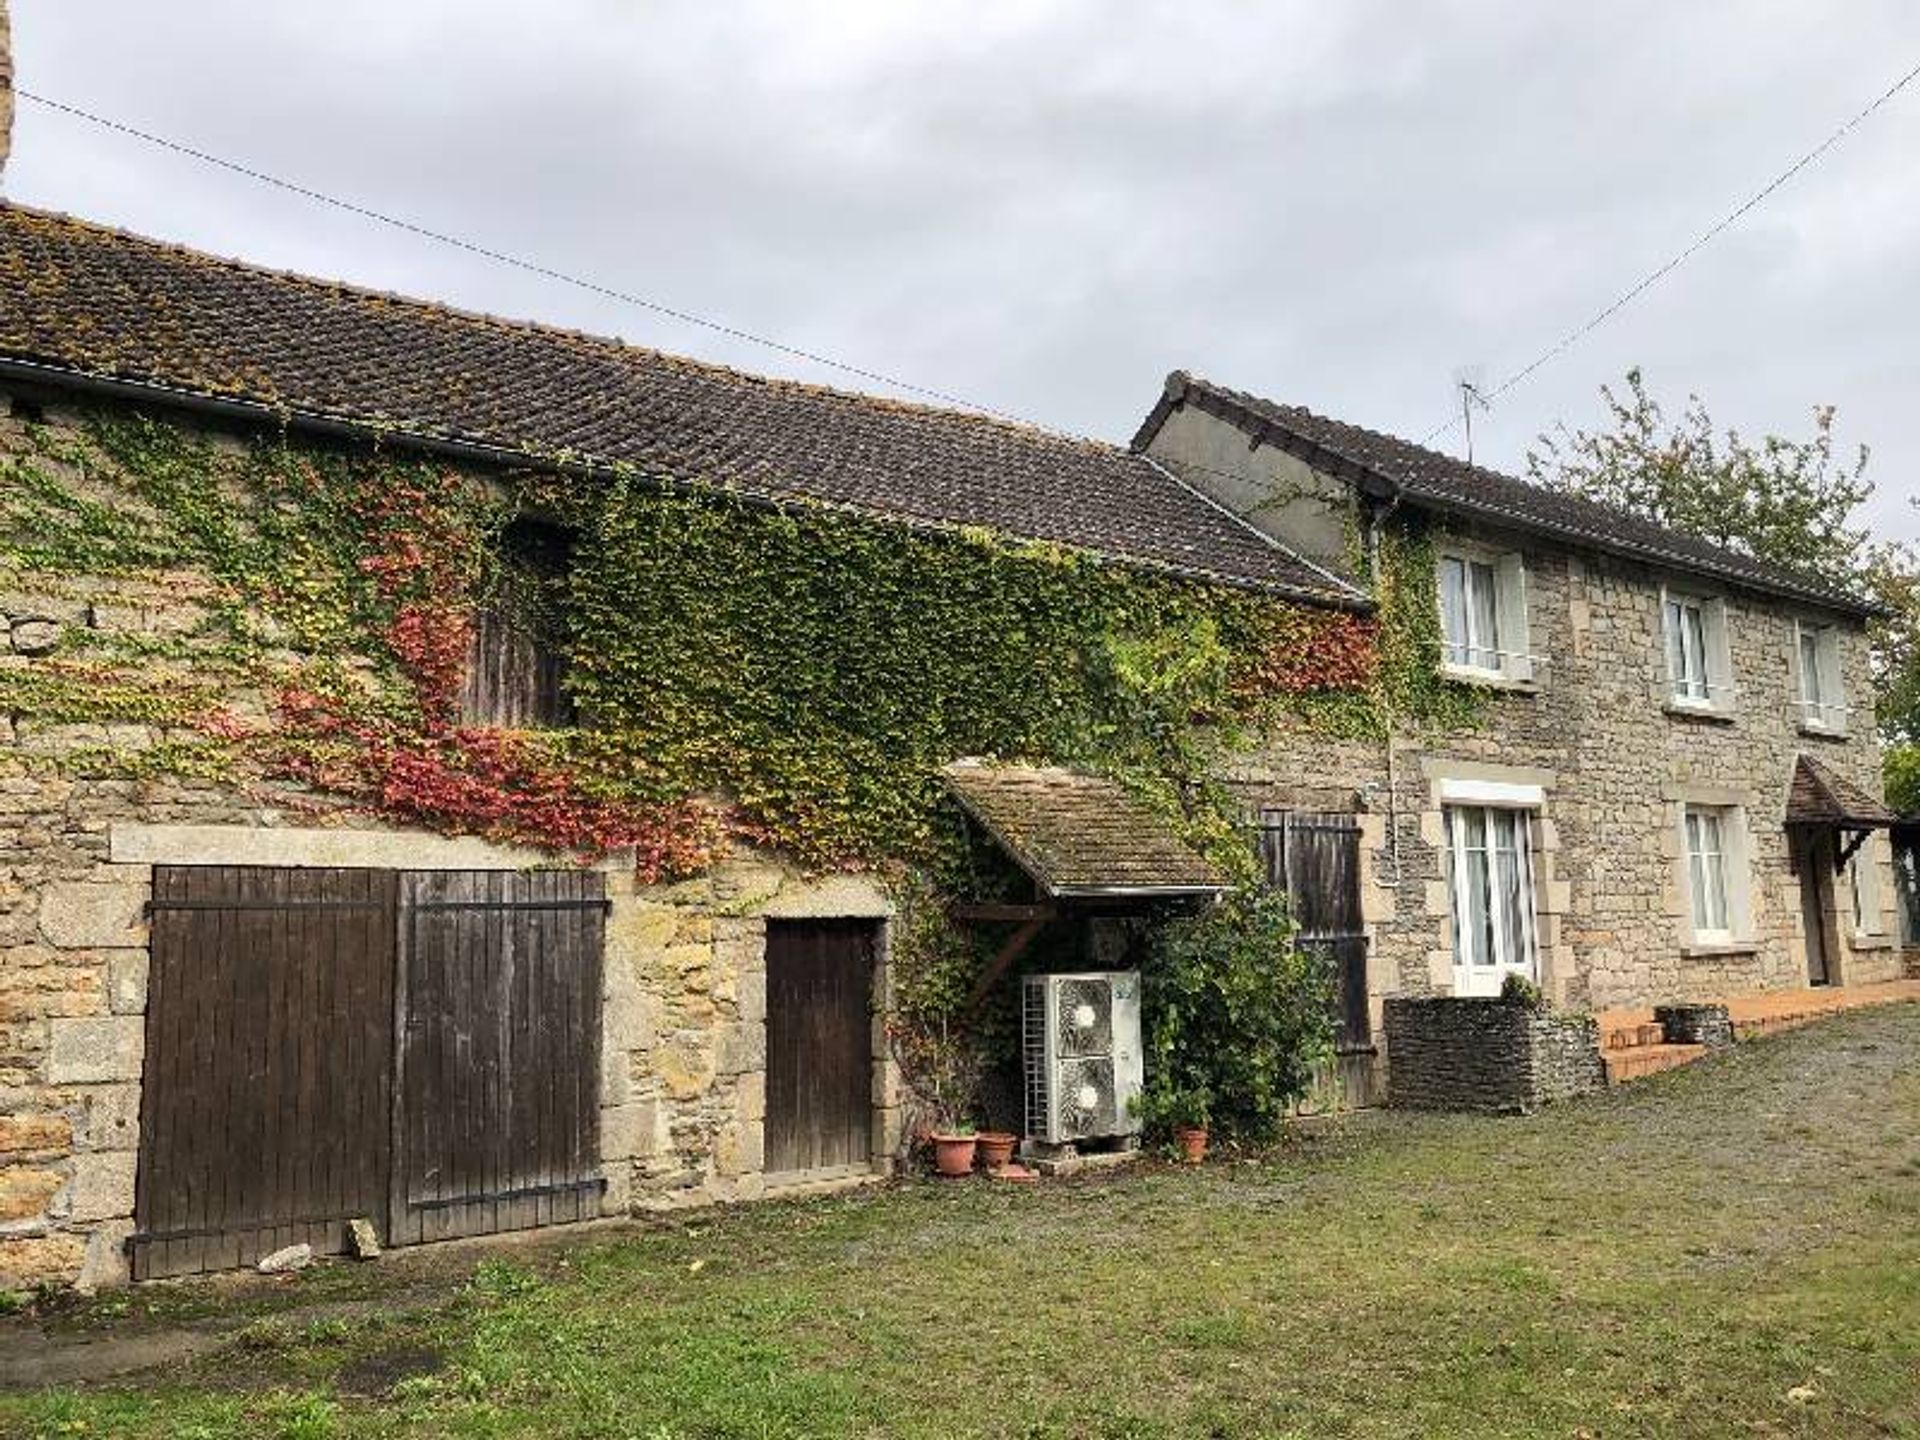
{"x": 1732, "y": 1249}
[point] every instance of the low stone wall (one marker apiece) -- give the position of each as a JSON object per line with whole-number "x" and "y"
{"x": 1488, "y": 1055}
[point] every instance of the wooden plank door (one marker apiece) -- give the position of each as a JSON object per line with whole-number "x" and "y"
{"x": 496, "y": 1019}
{"x": 1816, "y": 864}
{"x": 264, "y": 1112}
{"x": 819, "y": 1045}
{"x": 1314, "y": 859}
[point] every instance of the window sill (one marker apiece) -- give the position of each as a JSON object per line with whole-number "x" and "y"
{"x": 1717, "y": 949}
{"x": 1713, "y": 714}
{"x": 1870, "y": 942}
{"x": 1822, "y": 732}
{"x": 1489, "y": 680}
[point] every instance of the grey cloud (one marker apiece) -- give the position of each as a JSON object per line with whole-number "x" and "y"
{"x": 1046, "y": 206}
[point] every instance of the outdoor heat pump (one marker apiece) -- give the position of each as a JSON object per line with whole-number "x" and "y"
{"x": 1082, "y": 1055}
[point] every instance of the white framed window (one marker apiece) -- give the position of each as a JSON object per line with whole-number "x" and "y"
{"x": 1864, "y": 878}
{"x": 1483, "y": 615}
{"x": 1709, "y": 894}
{"x": 1823, "y": 701}
{"x": 1491, "y": 853}
{"x": 1699, "y": 663}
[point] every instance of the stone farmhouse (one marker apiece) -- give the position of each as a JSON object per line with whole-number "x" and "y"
{"x": 1674, "y": 795}
{"x": 240, "y": 1007}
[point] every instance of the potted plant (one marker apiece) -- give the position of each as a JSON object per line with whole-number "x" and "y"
{"x": 943, "y": 1069}
{"x": 996, "y": 1148}
{"x": 1190, "y": 1134}
{"x": 953, "y": 1149}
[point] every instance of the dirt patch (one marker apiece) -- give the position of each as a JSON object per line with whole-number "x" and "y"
{"x": 378, "y": 1372}
{"x": 34, "y": 1358}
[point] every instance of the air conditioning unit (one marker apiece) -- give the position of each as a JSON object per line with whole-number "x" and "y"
{"x": 1083, "y": 1055}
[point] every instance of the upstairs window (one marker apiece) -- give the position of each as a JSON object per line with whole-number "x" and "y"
{"x": 1698, "y": 663}
{"x": 516, "y": 666}
{"x": 1483, "y": 616}
{"x": 1823, "y": 703}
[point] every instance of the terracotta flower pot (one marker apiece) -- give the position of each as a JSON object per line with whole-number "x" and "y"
{"x": 1192, "y": 1140}
{"x": 953, "y": 1154}
{"x": 996, "y": 1148}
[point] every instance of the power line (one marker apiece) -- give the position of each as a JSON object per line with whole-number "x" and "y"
{"x": 532, "y": 267}
{"x": 1574, "y": 337}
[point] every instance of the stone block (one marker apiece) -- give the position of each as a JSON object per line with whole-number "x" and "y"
{"x": 627, "y": 1131}
{"x": 110, "y": 1117}
{"x": 26, "y": 1193}
{"x": 750, "y": 997}
{"x": 34, "y": 634}
{"x": 30, "y": 1134}
{"x": 85, "y": 916}
{"x": 685, "y": 1067}
{"x": 85, "y": 1052}
{"x": 127, "y": 982}
{"x": 739, "y": 1150}
{"x": 742, "y": 1048}
{"x": 833, "y": 897}
{"x": 40, "y": 1260}
{"x": 104, "y": 1267}
{"x": 750, "y": 1096}
{"x": 102, "y": 1187}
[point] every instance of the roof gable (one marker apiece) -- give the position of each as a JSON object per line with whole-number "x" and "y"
{"x": 1427, "y": 478}
{"x": 81, "y": 302}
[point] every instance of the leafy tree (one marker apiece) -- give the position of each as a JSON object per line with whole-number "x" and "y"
{"x": 1788, "y": 502}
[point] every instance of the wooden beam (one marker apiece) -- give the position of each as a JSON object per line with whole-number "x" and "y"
{"x": 1011, "y": 951}
{"x": 994, "y": 913}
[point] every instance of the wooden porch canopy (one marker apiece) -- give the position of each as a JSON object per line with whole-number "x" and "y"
{"x": 1819, "y": 799}
{"x": 1080, "y": 839}
{"x": 1078, "y": 836}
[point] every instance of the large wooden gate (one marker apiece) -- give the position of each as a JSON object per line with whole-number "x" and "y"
{"x": 819, "y": 1045}
{"x": 499, "y": 1056}
{"x": 282, "y": 1005}
{"x": 269, "y": 1028}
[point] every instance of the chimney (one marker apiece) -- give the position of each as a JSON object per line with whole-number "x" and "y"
{"x": 6, "y": 89}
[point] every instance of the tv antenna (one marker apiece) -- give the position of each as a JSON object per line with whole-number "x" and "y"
{"x": 1470, "y": 382}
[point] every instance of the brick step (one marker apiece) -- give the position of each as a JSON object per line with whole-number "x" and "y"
{"x": 1638, "y": 1061}
{"x": 1632, "y": 1037}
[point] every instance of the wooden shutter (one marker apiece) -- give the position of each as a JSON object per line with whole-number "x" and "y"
{"x": 1314, "y": 859}
{"x": 497, "y": 1017}
{"x": 265, "y": 1108}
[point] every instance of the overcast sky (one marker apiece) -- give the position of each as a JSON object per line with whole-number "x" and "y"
{"x": 1044, "y": 207}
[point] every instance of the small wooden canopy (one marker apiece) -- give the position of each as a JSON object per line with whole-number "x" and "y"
{"x": 1820, "y": 797}
{"x": 1079, "y": 836}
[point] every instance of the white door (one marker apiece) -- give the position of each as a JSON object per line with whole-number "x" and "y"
{"x": 1493, "y": 922}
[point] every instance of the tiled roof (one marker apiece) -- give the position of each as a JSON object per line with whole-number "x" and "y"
{"x": 1078, "y": 834}
{"x": 1430, "y": 478}
{"x": 93, "y": 302}
{"x": 1820, "y": 797}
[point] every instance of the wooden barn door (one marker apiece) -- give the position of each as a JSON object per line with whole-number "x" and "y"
{"x": 497, "y": 1016}
{"x": 1315, "y": 860}
{"x": 265, "y": 1108}
{"x": 819, "y": 1045}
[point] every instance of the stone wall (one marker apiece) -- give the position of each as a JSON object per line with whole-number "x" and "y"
{"x": 1614, "y": 763}
{"x": 1493, "y": 1055}
{"x": 83, "y": 822}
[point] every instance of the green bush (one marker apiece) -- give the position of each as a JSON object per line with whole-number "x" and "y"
{"x": 1236, "y": 1018}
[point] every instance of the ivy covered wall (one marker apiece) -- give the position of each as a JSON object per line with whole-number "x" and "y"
{"x": 789, "y": 677}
